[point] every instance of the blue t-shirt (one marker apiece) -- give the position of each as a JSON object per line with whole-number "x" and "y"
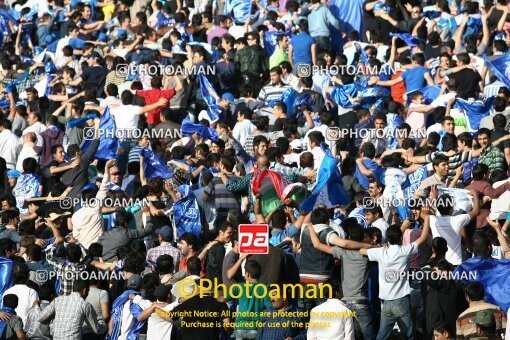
{"x": 415, "y": 78}
{"x": 362, "y": 179}
{"x": 76, "y": 43}
{"x": 302, "y": 44}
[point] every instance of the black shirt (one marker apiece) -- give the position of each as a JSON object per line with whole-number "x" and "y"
{"x": 96, "y": 75}
{"x": 469, "y": 83}
{"x": 193, "y": 326}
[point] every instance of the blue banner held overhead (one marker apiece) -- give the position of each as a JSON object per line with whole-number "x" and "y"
{"x": 109, "y": 144}
{"x": 409, "y": 39}
{"x": 153, "y": 166}
{"x": 475, "y": 111}
{"x": 210, "y": 97}
{"x": 189, "y": 128}
{"x": 187, "y": 214}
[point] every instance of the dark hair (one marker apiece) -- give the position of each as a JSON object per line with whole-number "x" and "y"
{"x": 320, "y": 216}
{"x": 474, "y": 290}
{"x": 394, "y": 234}
{"x": 73, "y": 252}
{"x": 482, "y": 245}
{"x": 279, "y": 219}
{"x": 444, "y": 326}
{"x": 368, "y": 150}
{"x": 374, "y": 232}
{"x": 440, "y": 246}
{"x": 194, "y": 265}
{"x": 79, "y": 285}
{"x": 34, "y": 252}
{"x": 479, "y": 171}
{"x": 190, "y": 239}
{"x": 6, "y": 244}
{"x": 165, "y": 264}
{"x": 10, "y": 300}
{"x": 253, "y": 268}
{"x": 29, "y": 165}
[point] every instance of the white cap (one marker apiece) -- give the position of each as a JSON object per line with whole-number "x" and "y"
{"x": 204, "y": 115}
{"x": 296, "y": 144}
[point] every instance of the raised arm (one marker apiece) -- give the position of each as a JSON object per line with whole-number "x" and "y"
{"x": 425, "y": 215}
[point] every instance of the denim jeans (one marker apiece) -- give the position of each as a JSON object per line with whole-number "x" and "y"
{"x": 246, "y": 334}
{"x": 307, "y": 304}
{"x": 398, "y": 311}
{"x": 363, "y": 325}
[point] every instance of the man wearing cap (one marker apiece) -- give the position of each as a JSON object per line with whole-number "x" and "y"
{"x": 165, "y": 238}
{"x": 224, "y": 103}
{"x": 95, "y": 74}
{"x": 466, "y": 324}
{"x": 485, "y": 326}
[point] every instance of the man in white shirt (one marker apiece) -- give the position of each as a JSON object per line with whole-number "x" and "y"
{"x": 244, "y": 127}
{"x": 27, "y": 150}
{"x": 10, "y": 145}
{"x": 341, "y": 325}
{"x": 325, "y": 119}
{"x": 316, "y": 138}
{"x": 451, "y": 228}
{"x": 26, "y": 296}
{"x": 394, "y": 289}
{"x": 35, "y": 125}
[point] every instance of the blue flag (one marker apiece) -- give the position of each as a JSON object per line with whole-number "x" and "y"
{"x": 501, "y": 69}
{"x": 109, "y": 144}
{"x": 239, "y": 9}
{"x": 6, "y": 277}
{"x": 475, "y": 111}
{"x": 153, "y": 166}
{"x": 117, "y": 309}
{"x": 187, "y": 214}
{"x": 492, "y": 274}
{"x": 270, "y": 41}
{"x": 303, "y": 99}
{"x": 429, "y": 93}
{"x": 410, "y": 40}
{"x": 5, "y": 18}
{"x": 210, "y": 96}
{"x": 288, "y": 99}
{"x": 343, "y": 94}
{"x": 12, "y": 86}
{"x": 350, "y": 15}
{"x": 189, "y": 128}
{"x": 329, "y": 189}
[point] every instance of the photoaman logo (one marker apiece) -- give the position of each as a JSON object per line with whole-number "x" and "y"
{"x": 254, "y": 239}
{"x": 189, "y": 287}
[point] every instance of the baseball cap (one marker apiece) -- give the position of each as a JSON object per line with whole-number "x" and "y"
{"x": 165, "y": 231}
{"x": 204, "y": 115}
{"x": 13, "y": 173}
{"x": 53, "y": 216}
{"x": 229, "y": 97}
{"x": 134, "y": 282}
{"x": 90, "y": 186}
{"x": 296, "y": 144}
{"x": 484, "y": 318}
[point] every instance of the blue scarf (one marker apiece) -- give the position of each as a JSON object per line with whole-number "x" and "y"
{"x": 3, "y": 324}
{"x": 118, "y": 306}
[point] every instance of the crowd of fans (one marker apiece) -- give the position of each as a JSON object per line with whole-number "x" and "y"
{"x": 428, "y": 191}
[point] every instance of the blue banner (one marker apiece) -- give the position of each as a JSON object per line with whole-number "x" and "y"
{"x": 210, "y": 97}
{"x": 410, "y": 40}
{"x": 187, "y": 215}
{"x": 189, "y": 128}
{"x": 350, "y": 15}
{"x": 239, "y": 9}
{"x": 501, "y": 69}
{"x": 492, "y": 274}
{"x": 329, "y": 189}
{"x": 153, "y": 166}
{"x": 475, "y": 111}
{"x": 109, "y": 144}
{"x": 6, "y": 277}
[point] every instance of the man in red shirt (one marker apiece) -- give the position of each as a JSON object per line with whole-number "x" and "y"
{"x": 153, "y": 95}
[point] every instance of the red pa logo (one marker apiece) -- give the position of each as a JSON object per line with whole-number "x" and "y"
{"x": 253, "y": 238}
